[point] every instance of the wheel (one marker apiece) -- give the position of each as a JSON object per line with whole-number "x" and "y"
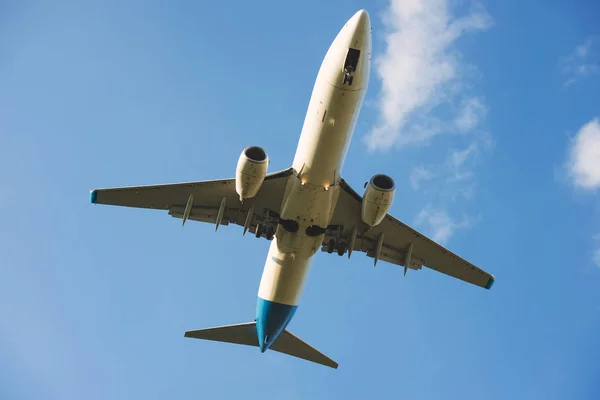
{"x": 330, "y": 246}
{"x": 341, "y": 250}
{"x": 259, "y": 230}
{"x": 270, "y": 231}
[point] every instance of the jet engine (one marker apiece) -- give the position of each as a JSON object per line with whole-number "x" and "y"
{"x": 251, "y": 170}
{"x": 379, "y": 193}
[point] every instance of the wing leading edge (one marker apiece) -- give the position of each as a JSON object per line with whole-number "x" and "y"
{"x": 214, "y": 201}
{"x": 398, "y": 243}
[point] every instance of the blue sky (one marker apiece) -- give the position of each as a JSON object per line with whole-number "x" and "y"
{"x": 485, "y": 114}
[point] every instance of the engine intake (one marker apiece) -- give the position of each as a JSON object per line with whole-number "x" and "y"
{"x": 251, "y": 171}
{"x": 379, "y": 193}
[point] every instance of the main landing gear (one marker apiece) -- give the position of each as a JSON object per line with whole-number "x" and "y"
{"x": 336, "y": 240}
{"x": 266, "y": 224}
{"x": 267, "y": 229}
{"x": 333, "y": 245}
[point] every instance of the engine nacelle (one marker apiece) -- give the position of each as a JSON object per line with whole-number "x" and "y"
{"x": 377, "y": 199}
{"x": 251, "y": 170}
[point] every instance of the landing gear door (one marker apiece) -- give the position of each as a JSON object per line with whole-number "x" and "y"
{"x": 350, "y": 65}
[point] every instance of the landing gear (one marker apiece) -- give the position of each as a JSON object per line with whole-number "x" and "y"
{"x": 350, "y": 65}
{"x": 348, "y": 77}
{"x": 331, "y": 246}
{"x": 336, "y": 240}
{"x": 267, "y": 224}
{"x": 259, "y": 230}
{"x": 268, "y": 230}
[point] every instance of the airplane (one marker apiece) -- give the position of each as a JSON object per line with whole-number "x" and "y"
{"x": 306, "y": 207}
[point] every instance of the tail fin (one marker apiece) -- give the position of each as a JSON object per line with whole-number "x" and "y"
{"x": 245, "y": 334}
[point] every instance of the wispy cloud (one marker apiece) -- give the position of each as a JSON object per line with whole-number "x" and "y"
{"x": 439, "y": 223}
{"x": 582, "y": 62}
{"x": 582, "y": 166}
{"x": 583, "y": 160}
{"x": 419, "y": 174}
{"x": 471, "y": 113}
{"x": 596, "y": 255}
{"x": 428, "y": 90}
{"x": 452, "y": 178}
{"x": 460, "y": 156}
{"x": 422, "y": 69}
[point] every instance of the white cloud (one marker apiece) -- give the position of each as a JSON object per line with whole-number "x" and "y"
{"x": 419, "y": 174}
{"x": 596, "y": 251}
{"x": 471, "y": 113}
{"x": 583, "y": 161}
{"x": 450, "y": 179}
{"x": 420, "y": 70}
{"x": 459, "y": 157}
{"x": 583, "y": 49}
{"x": 440, "y": 223}
{"x": 583, "y": 165}
{"x": 582, "y": 62}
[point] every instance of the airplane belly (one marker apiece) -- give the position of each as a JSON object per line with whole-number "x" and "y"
{"x": 290, "y": 254}
{"x": 334, "y": 106}
{"x": 284, "y": 275}
{"x": 312, "y": 192}
{"x": 326, "y": 133}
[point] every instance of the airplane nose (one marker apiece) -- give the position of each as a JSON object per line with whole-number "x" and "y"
{"x": 347, "y": 62}
{"x": 360, "y": 21}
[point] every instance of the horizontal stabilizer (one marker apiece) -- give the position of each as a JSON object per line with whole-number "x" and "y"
{"x": 239, "y": 333}
{"x": 245, "y": 334}
{"x": 294, "y": 346}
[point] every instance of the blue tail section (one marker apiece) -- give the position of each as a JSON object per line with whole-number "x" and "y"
{"x": 271, "y": 320}
{"x": 267, "y": 332}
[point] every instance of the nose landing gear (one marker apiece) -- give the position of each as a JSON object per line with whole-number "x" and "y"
{"x": 348, "y": 77}
{"x": 350, "y": 65}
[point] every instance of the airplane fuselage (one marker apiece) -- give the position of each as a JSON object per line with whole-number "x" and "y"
{"x": 312, "y": 192}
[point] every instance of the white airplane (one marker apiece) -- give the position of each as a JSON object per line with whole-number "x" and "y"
{"x": 305, "y": 207}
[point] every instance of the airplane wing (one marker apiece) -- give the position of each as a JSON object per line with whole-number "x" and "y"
{"x": 205, "y": 200}
{"x": 398, "y": 243}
